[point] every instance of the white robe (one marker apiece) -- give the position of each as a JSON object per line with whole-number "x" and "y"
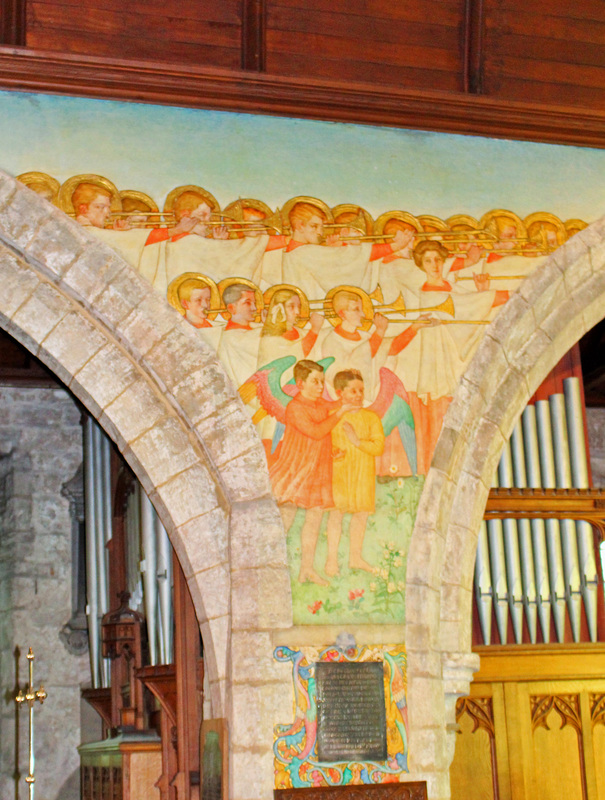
{"x": 318, "y": 268}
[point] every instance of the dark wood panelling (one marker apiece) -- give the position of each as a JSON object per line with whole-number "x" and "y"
{"x": 546, "y": 54}
{"x": 339, "y": 39}
{"x": 344, "y": 100}
{"x": 12, "y": 22}
{"x": 254, "y": 27}
{"x": 205, "y": 35}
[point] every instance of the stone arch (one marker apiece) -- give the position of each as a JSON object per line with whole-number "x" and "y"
{"x": 552, "y": 309}
{"x": 163, "y": 397}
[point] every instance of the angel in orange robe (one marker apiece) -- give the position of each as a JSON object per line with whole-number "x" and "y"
{"x": 302, "y": 473}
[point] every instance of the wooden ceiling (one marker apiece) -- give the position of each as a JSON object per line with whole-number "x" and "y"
{"x": 513, "y": 68}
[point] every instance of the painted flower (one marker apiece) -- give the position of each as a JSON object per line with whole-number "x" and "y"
{"x": 400, "y": 482}
{"x": 397, "y": 562}
{"x": 393, "y": 469}
{"x": 373, "y": 586}
{"x": 316, "y": 606}
{"x": 401, "y": 585}
{"x": 391, "y": 587}
{"x": 391, "y": 545}
{"x": 384, "y": 574}
{"x": 355, "y": 593}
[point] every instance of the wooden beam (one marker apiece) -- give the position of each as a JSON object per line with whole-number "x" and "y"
{"x": 12, "y": 22}
{"x": 473, "y": 46}
{"x": 254, "y": 26}
{"x": 198, "y": 87}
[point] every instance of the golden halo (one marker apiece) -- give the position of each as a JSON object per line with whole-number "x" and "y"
{"x": 573, "y": 226}
{"x": 314, "y": 201}
{"x": 235, "y": 209}
{"x": 203, "y": 281}
{"x": 304, "y": 303}
{"x": 429, "y": 221}
{"x": 490, "y": 221}
{"x": 258, "y": 295}
{"x": 366, "y": 304}
{"x": 402, "y": 216}
{"x": 203, "y": 193}
{"x": 358, "y": 211}
{"x": 138, "y": 200}
{"x": 532, "y": 221}
{"x": 71, "y": 184}
{"x": 462, "y": 222}
{"x": 42, "y": 181}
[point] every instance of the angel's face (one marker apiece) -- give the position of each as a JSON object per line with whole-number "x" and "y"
{"x": 313, "y": 385}
{"x": 353, "y": 393}
{"x": 292, "y": 307}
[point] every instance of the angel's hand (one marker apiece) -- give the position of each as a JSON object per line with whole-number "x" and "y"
{"x": 350, "y": 432}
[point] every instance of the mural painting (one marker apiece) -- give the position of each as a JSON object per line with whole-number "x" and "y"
{"x": 345, "y": 337}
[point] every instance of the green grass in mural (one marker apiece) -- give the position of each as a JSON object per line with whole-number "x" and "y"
{"x": 356, "y": 596}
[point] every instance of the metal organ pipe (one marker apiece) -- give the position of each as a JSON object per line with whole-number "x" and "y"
{"x": 553, "y": 535}
{"x": 164, "y": 577}
{"x": 483, "y": 585}
{"x": 149, "y": 572}
{"x": 511, "y": 553}
{"x": 538, "y": 527}
{"x": 579, "y": 474}
{"x": 92, "y": 597}
{"x": 569, "y": 542}
{"x": 497, "y": 560}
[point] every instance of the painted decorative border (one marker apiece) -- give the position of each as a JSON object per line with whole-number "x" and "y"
{"x": 294, "y": 747}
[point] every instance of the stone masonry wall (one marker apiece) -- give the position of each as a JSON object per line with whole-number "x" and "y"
{"x": 40, "y": 449}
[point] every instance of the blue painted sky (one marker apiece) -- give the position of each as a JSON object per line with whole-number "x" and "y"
{"x": 155, "y": 148}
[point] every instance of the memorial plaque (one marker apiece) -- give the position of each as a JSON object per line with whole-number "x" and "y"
{"x": 351, "y": 713}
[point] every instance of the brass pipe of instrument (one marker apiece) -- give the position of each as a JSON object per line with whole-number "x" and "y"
{"x": 492, "y": 277}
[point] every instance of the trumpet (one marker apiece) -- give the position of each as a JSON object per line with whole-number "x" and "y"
{"x": 492, "y": 277}
{"x": 399, "y": 307}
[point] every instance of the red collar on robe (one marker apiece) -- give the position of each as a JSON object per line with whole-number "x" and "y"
{"x": 235, "y": 326}
{"x": 291, "y": 336}
{"x": 445, "y": 287}
{"x": 352, "y": 337}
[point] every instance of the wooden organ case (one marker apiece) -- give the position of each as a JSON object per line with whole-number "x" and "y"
{"x": 534, "y": 723}
{"x": 145, "y": 644}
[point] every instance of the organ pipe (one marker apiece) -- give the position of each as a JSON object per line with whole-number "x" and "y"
{"x": 539, "y": 553}
{"x": 164, "y": 576}
{"x": 483, "y": 585}
{"x": 149, "y": 572}
{"x": 513, "y": 571}
{"x": 512, "y": 470}
{"x": 579, "y": 475}
{"x": 569, "y": 544}
{"x": 92, "y": 596}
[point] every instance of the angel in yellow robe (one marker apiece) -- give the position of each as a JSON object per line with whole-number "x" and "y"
{"x": 357, "y": 439}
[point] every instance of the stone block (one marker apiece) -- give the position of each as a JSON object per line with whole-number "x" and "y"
{"x": 456, "y": 601}
{"x": 251, "y": 774}
{"x": 74, "y": 341}
{"x": 205, "y": 540}
{"x": 107, "y": 374}
{"x": 136, "y": 410}
{"x": 485, "y": 448}
{"x": 261, "y": 599}
{"x": 176, "y": 355}
{"x": 92, "y": 272}
{"x": 189, "y": 494}
{"x": 42, "y": 312}
{"x": 460, "y": 554}
{"x": 18, "y": 282}
{"x": 247, "y": 476}
{"x": 268, "y": 545}
{"x": 203, "y": 391}
{"x": 218, "y": 631}
{"x": 227, "y": 433}
{"x": 435, "y": 495}
{"x": 469, "y": 502}
{"x": 214, "y": 587}
{"x": 151, "y": 318}
{"x": 22, "y": 216}
{"x": 166, "y": 448}
{"x": 465, "y": 408}
{"x": 449, "y": 451}
{"x": 511, "y": 397}
{"x": 422, "y": 607}
{"x": 424, "y": 664}
{"x": 251, "y": 657}
{"x": 426, "y": 709}
{"x": 541, "y": 281}
{"x": 245, "y": 722}
{"x": 8, "y": 187}
{"x": 57, "y": 243}
{"x": 510, "y": 326}
{"x": 488, "y": 360}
